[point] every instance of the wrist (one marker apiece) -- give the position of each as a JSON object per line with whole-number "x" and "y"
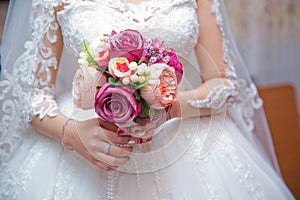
{"x": 69, "y": 133}
{"x": 175, "y": 110}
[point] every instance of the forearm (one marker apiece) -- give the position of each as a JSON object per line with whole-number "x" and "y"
{"x": 52, "y": 127}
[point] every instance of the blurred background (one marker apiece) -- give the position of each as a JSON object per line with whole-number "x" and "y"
{"x": 268, "y": 35}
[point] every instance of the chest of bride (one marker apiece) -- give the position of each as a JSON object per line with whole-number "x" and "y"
{"x": 173, "y": 22}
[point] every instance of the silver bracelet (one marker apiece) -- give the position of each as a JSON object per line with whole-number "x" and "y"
{"x": 63, "y": 133}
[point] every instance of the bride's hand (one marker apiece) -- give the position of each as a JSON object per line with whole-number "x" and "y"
{"x": 97, "y": 144}
{"x": 144, "y": 133}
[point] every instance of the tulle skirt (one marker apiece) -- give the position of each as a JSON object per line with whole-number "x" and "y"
{"x": 231, "y": 169}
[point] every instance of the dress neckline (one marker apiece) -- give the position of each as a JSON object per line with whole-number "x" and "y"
{"x": 139, "y": 13}
{"x": 134, "y": 4}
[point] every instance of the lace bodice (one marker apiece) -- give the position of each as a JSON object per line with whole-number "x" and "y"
{"x": 168, "y": 20}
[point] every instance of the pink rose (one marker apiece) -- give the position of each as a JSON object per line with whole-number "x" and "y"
{"x": 174, "y": 62}
{"x": 84, "y": 86}
{"x": 128, "y": 44}
{"x": 117, "y": 104}
{"x": 161, "y": 90}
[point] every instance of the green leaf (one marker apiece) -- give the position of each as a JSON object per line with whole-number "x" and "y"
{"x": 146, "y": 108}
{"x": 114, "y": 81}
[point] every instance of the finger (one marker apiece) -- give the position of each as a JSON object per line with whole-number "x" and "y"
{"x": 149, "y": 133}
{"x": 109, "y": 126}
{"x": 146, "y": 138}
{"x": 110, "y": 160}
{"x": 116, "y": 139}
{"x": 84, "y": 153}
{"x": 120, "y": 151}
{"x": 112, "y": 149}
{"x": 109, "y": 136}
{"x": 102, "y": 165}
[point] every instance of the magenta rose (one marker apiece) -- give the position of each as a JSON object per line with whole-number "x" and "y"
{"x": 117, "y": 104}
{"x": 175, "y": 63}
{"x": 128, "y": 44}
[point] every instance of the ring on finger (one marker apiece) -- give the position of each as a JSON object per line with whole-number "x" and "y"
{"x": 107, "y": 148}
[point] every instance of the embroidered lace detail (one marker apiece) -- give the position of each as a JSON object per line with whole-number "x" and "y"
{"x": 84, "y": 21}
{"x": 238, "y": 92}
{"x": 247, "y": 94}
{"x": 217, "y": 98}
{"x": 43, "y": 102}
{"x": 241, "y": 169}
{"x": 221, "y": 96}
{"x": 139, "y": 12}
{"x": 12, "y": 180}
{"x": 27, "y": 73}
{"x": 145, "y": 10}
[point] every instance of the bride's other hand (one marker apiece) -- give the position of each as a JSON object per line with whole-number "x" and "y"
{"x": 144, "y": 132}
{"x": 97, "y": 144}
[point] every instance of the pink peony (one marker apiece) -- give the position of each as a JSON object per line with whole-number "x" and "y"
{"x": 161, "y": 90}
{"x": 117, "y": 104}
{"x": 128, "y": 44}
{"x": 84, "y": 86}
{"x": 174, "y": 62}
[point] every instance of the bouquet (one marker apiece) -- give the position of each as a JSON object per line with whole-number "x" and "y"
{"x": 127, "y": 78}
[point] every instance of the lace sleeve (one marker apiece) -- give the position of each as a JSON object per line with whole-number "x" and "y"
{"x": 212, "y": 55}
{"x": 47, "y": 49}
{"x": 29, "y": 69}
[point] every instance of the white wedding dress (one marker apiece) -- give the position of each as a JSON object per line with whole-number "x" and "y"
{"x": 231, "y": 168}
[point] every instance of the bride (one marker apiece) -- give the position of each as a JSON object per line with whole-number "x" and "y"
{"x": 216, "y": 146}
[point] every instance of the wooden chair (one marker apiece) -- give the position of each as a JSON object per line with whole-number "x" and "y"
{"x": 282, "y": 114}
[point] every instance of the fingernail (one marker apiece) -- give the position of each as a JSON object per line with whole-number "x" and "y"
{"x": 131, "y": 142}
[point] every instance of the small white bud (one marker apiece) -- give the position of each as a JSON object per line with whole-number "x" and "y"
{"x": 142, "y": 79}
{"x": 83, "y": 62}
{"x": 134, "y": 78}
{"x": 141, "y": 71}
{"x": 133, "y": 65}
{"x": 125, "y": 80}
{"x": 82, "y": 55}
{"x": 143, "y": 65}
{"x": 147, "y": 71}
